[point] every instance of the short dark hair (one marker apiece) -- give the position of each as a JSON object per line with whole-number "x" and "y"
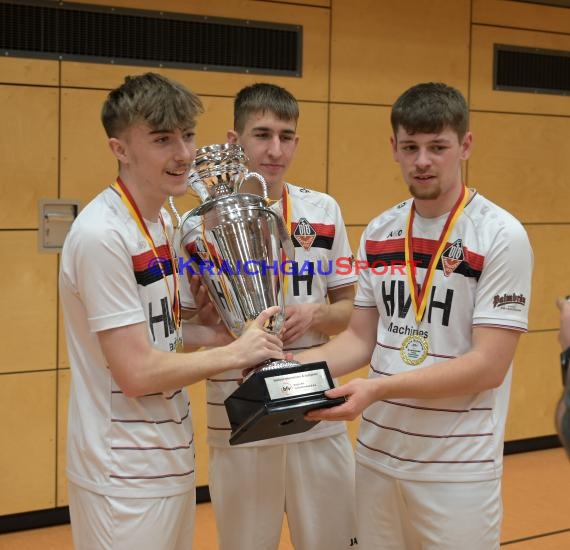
{"x": 264, "y": 97}
{"x": 151, "y": 98}
{"x": 429, "y": 108}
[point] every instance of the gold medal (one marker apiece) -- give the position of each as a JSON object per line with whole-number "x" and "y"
{"x": 179, "y": 343}
{"x": 419, "y": 296}
{"x": 414, "y": 349}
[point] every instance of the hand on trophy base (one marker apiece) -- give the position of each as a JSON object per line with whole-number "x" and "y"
{"x": 273, "y": 399}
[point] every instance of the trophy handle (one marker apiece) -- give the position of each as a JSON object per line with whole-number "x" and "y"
{"x": 284, "y": 236}
{"x": 199, "y": 188}
{"x": 261, "y": 181}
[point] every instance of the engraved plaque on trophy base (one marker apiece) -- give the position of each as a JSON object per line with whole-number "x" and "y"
{"x": 272, "y": 401}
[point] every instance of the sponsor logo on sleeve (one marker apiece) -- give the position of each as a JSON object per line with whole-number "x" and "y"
{"x": 514, "y": 301}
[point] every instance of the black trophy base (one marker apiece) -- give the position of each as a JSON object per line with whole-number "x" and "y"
{"x": 260, "y": 409}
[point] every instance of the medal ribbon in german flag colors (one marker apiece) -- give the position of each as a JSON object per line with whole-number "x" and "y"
{"x": 419, "y": 298}
{"x": 286, "y": 207}
{"x": 133, "y": 209}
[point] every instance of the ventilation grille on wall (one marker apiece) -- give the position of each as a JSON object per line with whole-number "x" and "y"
{"x": 553, "y": 3}
{"x": 531, "y": 70}
{"x": 158, "y": 39}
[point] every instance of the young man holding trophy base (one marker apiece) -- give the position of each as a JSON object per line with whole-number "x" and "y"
{"x": 308, "y": 476}
{"x": 440, "y": 338}
{"x": 130, "y": 447}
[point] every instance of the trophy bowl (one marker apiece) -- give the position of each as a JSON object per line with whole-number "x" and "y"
{"x": 234, "y": 241}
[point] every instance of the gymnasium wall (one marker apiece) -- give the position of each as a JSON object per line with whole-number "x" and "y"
{"x": 358, "y": 56}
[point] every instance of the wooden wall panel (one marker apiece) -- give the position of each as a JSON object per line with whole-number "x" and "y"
{"x": 197, "y": 393}
{"x": 217, "y": 120}
{"x": 323, "y": 3}
{"x": 27, "y": 432}
{"x": 354, "y": 235}
{"x": 28, "y": 317}
{"x": 309, "y": 169}
{"x": 382, "y": 48}
{"x": 62, "y": 356}
{"x": 523, "y": 15}
{"x": 87, "y": 164}
{"x": 363, "y": 176}
{"x": 521, "y": 162}
{"x": 63, "y": 380}
{"x": 536, "y": 387}
{"x": 482, "y": 95}
{"x": 28, "y": 152}
{"x": 551, "y": 274}
{"x": 21, "y": 70}
{"x": 312, "y": 85}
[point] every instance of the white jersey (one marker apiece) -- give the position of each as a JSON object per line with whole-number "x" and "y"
{"x": 482, "y": 279}
{"x": 119, "y": 445}
{"x": 323, "y": 262}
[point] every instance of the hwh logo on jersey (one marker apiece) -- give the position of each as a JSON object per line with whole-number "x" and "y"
{"x": 305, "y": 234}
{"x": 398, "y": 302}
{"x": 451, "y": 257}
{"x": 164, "y": 318}
{"x": 305, "y": 274}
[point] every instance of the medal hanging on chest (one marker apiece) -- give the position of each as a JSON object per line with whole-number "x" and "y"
{"x": 415, "y": 347}
{"x": 173, "y": 299}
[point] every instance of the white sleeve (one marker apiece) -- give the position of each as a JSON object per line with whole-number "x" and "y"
{"x": 503, "y": 292}
{"x": 100, "y": 269}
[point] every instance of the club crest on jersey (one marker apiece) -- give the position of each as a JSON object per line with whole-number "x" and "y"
{"x": 201, "y": 250}
{"x": 305, "y": 234}
{"x": 451, "y": 257}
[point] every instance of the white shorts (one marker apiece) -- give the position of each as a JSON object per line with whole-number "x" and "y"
{"x": 397, "y": 514}
{"x": 310, "y": 481}
{"x": 100, "y": 522}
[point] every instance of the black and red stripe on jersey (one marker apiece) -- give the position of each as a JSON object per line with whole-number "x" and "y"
{"x": 324, "y": 237}
{"x": 393, "y": 250}
{"x": 147, "y": 266}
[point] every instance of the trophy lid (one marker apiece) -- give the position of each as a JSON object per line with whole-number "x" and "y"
{"x": 220, "y": 168}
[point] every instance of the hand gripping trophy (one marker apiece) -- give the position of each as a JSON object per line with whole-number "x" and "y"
{"x": 235, "y": 242}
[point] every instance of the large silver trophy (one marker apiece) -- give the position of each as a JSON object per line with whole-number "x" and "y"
{"x": 234, "y": 241}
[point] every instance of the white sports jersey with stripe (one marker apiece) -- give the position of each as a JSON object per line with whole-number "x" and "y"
{"x": 482, "y": 279}
{"x": 323, "y": 261}
{"x": 119, "y": 445}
